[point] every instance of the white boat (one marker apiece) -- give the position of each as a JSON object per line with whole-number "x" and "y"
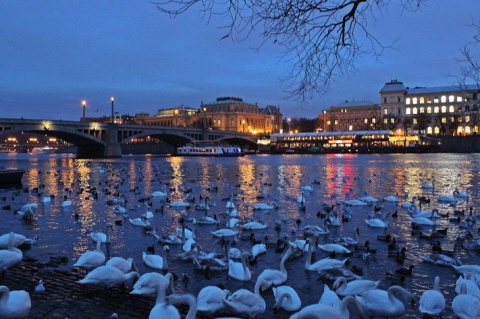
{"x": 210, "y": 150}
{"x": 43, "y": 150}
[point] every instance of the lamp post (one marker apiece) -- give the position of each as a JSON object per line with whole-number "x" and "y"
{"x": 84, "y": 105}
{"x": 243, "y": 125}
{"x": 204, "y": 118}
{"x": 288, "y": 121}
{"x": 112, "y": 99}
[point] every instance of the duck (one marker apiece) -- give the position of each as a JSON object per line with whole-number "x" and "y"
{"x": 209, "y": 300}
{"x": 239, "y": 270}
{"x": 91, "y": 259}
{"x": 354, "y": 287}
{"x": 287, "y": 298}
{"x": 432, "y": 301}
{"x": 125, "y": 265}
{"x": 107, "y": 276}
{"x": 9, "y": 256}
{"x": 276, "y": 277}
{"x": 14, "y": 303}
{"x": 385, "y": 303}
{"x": 157, "y": 261}
{"x": 245, "y": 303}
{"x": 322, "y": 311}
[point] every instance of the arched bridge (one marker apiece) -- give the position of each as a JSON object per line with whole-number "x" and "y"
{"x": 94, "y": 139}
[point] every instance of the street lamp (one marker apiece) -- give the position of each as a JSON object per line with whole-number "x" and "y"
{"x": 204, "y": 118}
{"x": 243, "y": 124}
{"x": 84, "y": 105}
{"x": 288, "y": 121}
{"x": 112, "y": 99}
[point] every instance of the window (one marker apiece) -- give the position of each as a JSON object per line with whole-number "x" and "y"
{"x": 385, "y": 121}
{"x": 385, "y": 111}
{"x": 429, "y": 99}
{"x": 436, "y": 109}
{"x": 436, "y": 130}
{"x": 429, "y": 109}
{"x": 392, "y": 120}
{"x": 407, "y": 111}
{"x": 415, "y": 100}
{"x": 399, "y": 111}
{"x": 414, "y": 110}
{"x": 414, "y": 121}
{"x": 451, "y": 98}
{"x": 365, "y": 121}
{"x": 407, "y": 101}
{"x": 384, "y": 100}
{"x": 435, "y": 99}
{"x": 459, "y": 99}
{"x": 444, "y": 120}
{"x": 422, "y": 110}
{"x": 429, "y": 130}
{"x": 451, "y": 109}
{"x": 399, "y": 99}
{"x": 422, "y": 100}
{"x": 444, "y": 109}
{"x": 443, "y": 99}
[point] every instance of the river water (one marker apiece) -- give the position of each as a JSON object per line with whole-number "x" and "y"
{"x": 64, "y": 231}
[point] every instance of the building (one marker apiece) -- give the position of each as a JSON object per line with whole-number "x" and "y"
{"x": 351, "y": 116}
{"x": 447, "y": 110}
{"x": 225, "y": 113}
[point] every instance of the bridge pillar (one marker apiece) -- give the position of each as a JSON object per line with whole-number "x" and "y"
{"x": 112, "y": 148}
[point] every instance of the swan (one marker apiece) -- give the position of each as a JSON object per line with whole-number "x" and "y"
{"x": 466, "y": 306}
{"x": 125, "y": 265}
{"x": 258, "y": 249}
{"x": 447, "y": 199}
{"x": 322, "y": 264}
{"x": 330, "y": 297}
{"x": 429, "y": 186}
{"x": 18, "y": 240}
{"x": 107, "y": 276}
{"x": 354, "y": 287}
{"x": 275, "y": 277}
{"x": 39, "y": 288}
{"x": 14, "y": 303}
{"x": 254, "y": 226}
{"x": 444, "y": 260}
{"x": 185, "y": 298}
{"x": 156, "y": 261}
{"x": 27, "y": 211}
{"x": 322, "y": 311}
{"x": 312, "y": 230}
{"x": 161, "y": 308}
{"x": 301, "y": 199}
{"x": 337, "y": 248}
{"x": 384, "y": 303}
{"x": 189, "y": 243}
{"x": 459, "y": 194}
{"x": 368, "y": 199}
{"x": 103, "y": 237}
{"x": 470, "y": 286}
{"x": 180, "y": 204}
{"x": 245, "y": 303}
{"x": 377, "y": 222}
{"x": 423, "y": 221}
{"x": 147, "y": 284}
{"x": 10, "y": 256}
{"x": 230, "y": 204}
{"x": 432, "y": 301}
{"x": 355, "y": 202}
{"x": 239, "y": 270}
{"x": 349, "y": 241}
{"x": 209, "y": 300}
{"x": 466, "y": 269}
{"x": 91, "y": 259}
{"x": 186, "y": 233}
{"x": 307, "y": 188}
{"x": 391, "y": 198}
{"x": 140, "y": 221}
{"x": 224, "y": 232}
{"x": 287, "y": 298}
{"x": 162, "y": 193}
{"x": 263, "y": 206}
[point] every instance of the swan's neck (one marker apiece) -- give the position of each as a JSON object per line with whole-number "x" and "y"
{"x": 164, "y": 255}
{"x": 309, "y": 257}
{"x": 99, "y": 243}
{"x": 244, "y": 264}
{"x": 284, "y": 259}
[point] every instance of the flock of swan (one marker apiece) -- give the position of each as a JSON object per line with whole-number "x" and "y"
{"x": 319, "y": 247}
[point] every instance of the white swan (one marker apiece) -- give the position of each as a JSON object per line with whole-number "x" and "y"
{"x": 189, "y": 243}
{"x": 239, "y": 270}
{"x": 125, "y": 265}
{"x": 355, "y": 202}
{"x": 258, "y": 249}
{"x": 369, "y": 199}
{"x": 147, "y": 284}
{"x": 329, "y": 297}
{"x": 14, "y": 304}
{"x": 185, "y": 298}
{"x": 457, "y": 193}
{"x": 349, "y": 241}
{"x": 107, "y": 276}
{"x": 384, "y": 303}
{"x": 447, "y": 199}
{"x": 27, "y": 211}
{"x": 322, "y": 264}
{"x": 180, "y": 204}
{"x": 423, "y": 221}
{"x": 18, "y": 240}
{"x": 432, "y": 301}
{"x": 156, "y": 261}
{"x": 102, "y": 236}
{"x": 140, "y": 221}
{"x": 466, "y": 306}
{"x": 245, "y": 303}
{"x": 162, "y": 193}
{"x": 337, "y": 248}
{"x": 376, "y": 223}
{"x": 209, "y": 300}
{"x": 391, "y": 198}
{"x": 470, "y": 286}
{"x": 275, "y": 277}
{"x": 264, "y": 206}
{"x": 91, "y": 259}
{"x": 161, "y": 308}
{"x": 224, "y": 232}
{"x": 429, "y": 186}
{"x": 354, "y": 287}
{"x": 230, "y": 204}
{"x": 466, "y": 269}
{"x": 322, "y": 311}
{"x": 254, "y": 226}
{"x": 11, "y": 255}
{"x": 287, "y": 298}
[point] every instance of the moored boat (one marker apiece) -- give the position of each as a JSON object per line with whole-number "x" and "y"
{"x": 11, "y": 176}
{"x": 210, "y": 150}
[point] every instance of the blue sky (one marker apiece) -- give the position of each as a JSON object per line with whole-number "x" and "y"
{"x": 54, "y": 54}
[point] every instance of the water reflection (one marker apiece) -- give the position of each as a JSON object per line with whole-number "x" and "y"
{"x": 253, "y": 179}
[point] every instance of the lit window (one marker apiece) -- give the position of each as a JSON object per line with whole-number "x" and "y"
{"x": 407, "y": 101}
{"x": 459, "y": 99}
{"x": 385, "y": 121}
{"x": 429, "y": 110}
{"x": 422, "y": 110}
{"x": 365, "y": 121}
{"x": 414, "y": 100}
{"x": 451, "y": 109}
{"x": 451, "y": 98}
{"x": 414, "y": 110}
{"x": 392, "y": 120}
{"x": 429, "y": 130}
{"x": 444, "y": 109}
{"x": 414, "y": 121}
{"x": 443, "y": 99}
{"x": 422, "y": 100}
{"x": 436, "y": 109}
{"x": 429, "y": 99}
{"x": 407, "y": 111}
{"x": 385, "y": 111}
{"x": 444, "y": 120}
{"x": 467, "y": 118}
{"x": 436, "y": 130}
{"x": 435, "y": 100}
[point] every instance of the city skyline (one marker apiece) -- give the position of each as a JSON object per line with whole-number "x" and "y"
{"x": 59, "y": 54}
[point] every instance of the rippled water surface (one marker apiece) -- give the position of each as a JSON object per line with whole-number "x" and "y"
{"x": 252, "y": 179}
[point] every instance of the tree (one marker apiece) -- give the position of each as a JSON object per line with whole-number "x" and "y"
{"x": 323, "y": 38}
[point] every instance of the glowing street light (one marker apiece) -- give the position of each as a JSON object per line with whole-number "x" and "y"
{"x": 112, "y": 99}
{"x": 243, "y": 124}
{"x": 84, "y": 105}
{"x": 288, "y": 121}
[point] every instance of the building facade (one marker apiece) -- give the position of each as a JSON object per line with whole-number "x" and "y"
{"x": 225, "y": 113}
{"x": 351, "y": 116}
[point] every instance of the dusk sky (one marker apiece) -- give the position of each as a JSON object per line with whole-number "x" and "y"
{"x": 54, "y": 54}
